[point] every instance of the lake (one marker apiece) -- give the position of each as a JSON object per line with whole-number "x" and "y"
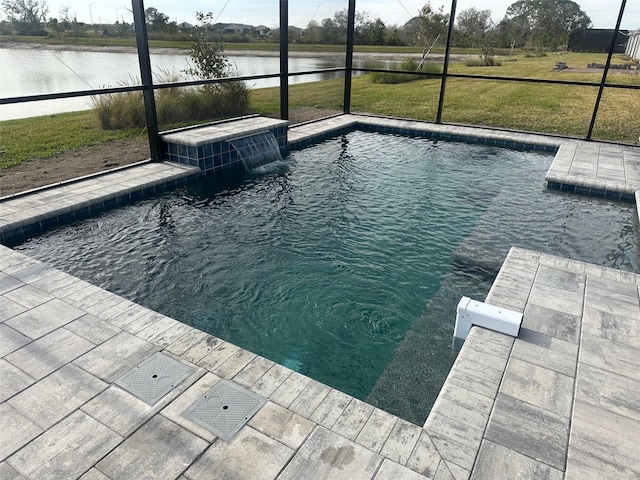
{"x": 33, "y": 71}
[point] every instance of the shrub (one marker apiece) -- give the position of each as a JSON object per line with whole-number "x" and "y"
{"x": 535, "y": 54}
{"x": 483, "y": 61}
{"x": 407, "y": 66}
{"x": 173, "y": 105}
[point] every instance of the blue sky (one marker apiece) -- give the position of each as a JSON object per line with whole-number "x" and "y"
{"x": 603, "y": 13}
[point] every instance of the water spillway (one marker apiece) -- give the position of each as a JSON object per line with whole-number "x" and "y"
{"x": 243, "y": 144}
{"x": 256, "y": 150}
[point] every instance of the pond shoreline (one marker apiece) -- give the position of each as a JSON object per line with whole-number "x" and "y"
{"x": 230, "y": 52}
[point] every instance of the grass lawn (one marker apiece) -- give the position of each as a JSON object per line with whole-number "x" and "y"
{"x": 552, "y": 109}
{"x": 42, "y": 137}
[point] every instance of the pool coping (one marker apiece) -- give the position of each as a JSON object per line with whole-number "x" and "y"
{"x": 462, "y": 436}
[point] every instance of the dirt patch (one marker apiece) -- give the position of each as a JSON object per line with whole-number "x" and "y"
{"x": 94, "y": 159}
{"x": 72, "y": 164}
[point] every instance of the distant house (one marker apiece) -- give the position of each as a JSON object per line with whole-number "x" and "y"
{"x": 262, "y": 30}
{"x": 184, "y": 27}
{"x": 597, "y": 40}
{"x": 633, "y": 45}
{"x": 233, "y": 29}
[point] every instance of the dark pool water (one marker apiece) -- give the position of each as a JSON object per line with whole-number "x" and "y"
{"x": 338, "y": 260}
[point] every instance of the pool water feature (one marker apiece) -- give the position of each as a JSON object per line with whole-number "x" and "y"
{"x": 257, "y": 149}
{"x": 337, "y": 261}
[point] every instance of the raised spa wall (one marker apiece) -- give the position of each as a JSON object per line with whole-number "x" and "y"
{"x": 208, "y": 147}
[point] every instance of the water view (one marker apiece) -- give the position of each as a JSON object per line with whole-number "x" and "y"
{"x": 33, "y": 71}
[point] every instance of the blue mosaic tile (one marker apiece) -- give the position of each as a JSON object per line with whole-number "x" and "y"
{"x": 32, "y": 229}
{"x": 96, "y": 208}
{"x": 582, "y": 190}
{"x": 110, "y": 203}
{"x": 173, "y": 148}
{"x": 597, "y": 192}
{"x": 554, "y": 185}
{"x": 12, "y": 237}
{"x": 192, "y": 152}
{"x": 207, "y": 150}
{"x": 66, "y": 218}
{"x": 49, "y": 223}
{"x": 217, "y": 161}
{"x": 148, "y": 191}
{"x": 611, "y": 195}
{"x": 82, "y": 213}
{"x": 208, "y": 163}
{"x": 135, "y": 195}
{"x": 627, "y": 197}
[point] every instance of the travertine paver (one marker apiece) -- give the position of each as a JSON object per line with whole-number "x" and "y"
{"x": 610, "y": 437}
{"x": 530, "y": 430}
{"x": 539, "y": 386}
{"x": 376, "y": 431}
{"x": 44, "y": 318}
{"x": 548, "y": 352}
{"x": 11, "y": 340}
{"x": 353, "y": 419}
{"x": 496, "y": 461}
{"x": 425, "y": 458}
{"x": 57, "y": 395}
{"x": 49, "y": 353}
{"x": 326, "y": 455}
{"x": 17, "y": 430}
{"x": 14, "y": 380}
{"x": 394, "y": 471}
{"x": 282, "y": 425}
{"x": 67, "y": 450}
{"x": 229, "y": 460}
{"x": 160, "y": 449}
{"x": 116, "y": 356}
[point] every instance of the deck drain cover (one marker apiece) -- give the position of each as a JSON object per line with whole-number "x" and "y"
{"x": 225, "y": 409}
{"x": 154, "y": 377}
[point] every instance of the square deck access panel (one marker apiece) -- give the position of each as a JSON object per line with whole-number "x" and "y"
{"x": 154, "y": 377}
{"x": 225, "y": 409}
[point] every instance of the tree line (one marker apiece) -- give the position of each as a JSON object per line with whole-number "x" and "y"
{"x": 534, "y": 24}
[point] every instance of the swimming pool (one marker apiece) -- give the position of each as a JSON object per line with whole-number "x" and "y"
{"x": 338, "y": 261}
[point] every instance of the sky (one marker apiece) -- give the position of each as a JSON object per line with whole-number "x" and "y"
{"x": 603, "y": 13}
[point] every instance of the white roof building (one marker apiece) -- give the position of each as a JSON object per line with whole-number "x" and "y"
{"x": 633, "y": 45}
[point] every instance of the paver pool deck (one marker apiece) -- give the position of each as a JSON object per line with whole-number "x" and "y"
{"x": 560, "y": 401}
